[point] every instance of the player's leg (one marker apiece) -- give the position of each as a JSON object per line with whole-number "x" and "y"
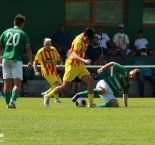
{"x": 15, "y": 92}
{"x": 84, "y": 94}
{"x": 58, "y": 83}
{"x": 54, "y": 81}
{"x": 7, "y": 90}
{"x": 106, "y": 95}
{"x": 17, "y": 74}
{"x": 7, "y": 76}
{"x": 58, "y": 89}
{"x": 85, "y": 76}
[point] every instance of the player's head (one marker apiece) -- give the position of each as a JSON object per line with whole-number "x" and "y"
{"x": 134, "y": 74}
{"x": 88, "y": 34}
{"x": 47, "y": 43}
{"x": 19, "y": 21}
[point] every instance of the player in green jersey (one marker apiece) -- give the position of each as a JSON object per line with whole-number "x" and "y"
{"x": 113, "y": 85}
{"x": 14, "y": 41}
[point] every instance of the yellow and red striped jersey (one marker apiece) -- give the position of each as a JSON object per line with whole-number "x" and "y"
{"x": 48, "y": 60}
{"x": 79, "y": 46}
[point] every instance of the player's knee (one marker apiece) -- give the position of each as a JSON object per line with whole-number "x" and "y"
{"x": 64, "y": 87}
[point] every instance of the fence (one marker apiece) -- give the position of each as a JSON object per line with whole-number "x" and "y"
{"x": 35, "y": 87}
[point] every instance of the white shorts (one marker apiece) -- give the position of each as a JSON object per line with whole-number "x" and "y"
{"x": 12, "y": 69}
{"x": 108, "y": 95}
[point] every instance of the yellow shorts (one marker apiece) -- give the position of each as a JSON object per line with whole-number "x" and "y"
{"x": 71, "y": 72}
{"x": 51, "y": 79}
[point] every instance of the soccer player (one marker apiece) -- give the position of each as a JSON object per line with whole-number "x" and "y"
{"x": 14, "y": 41}
{"x": 48, "y": 57}
{"x": 113, "y": 85}
{"x": 74, "y": 66}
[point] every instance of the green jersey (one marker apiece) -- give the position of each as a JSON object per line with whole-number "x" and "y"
{"x": 14, "y": 41}
{"x": 119, "y": 82}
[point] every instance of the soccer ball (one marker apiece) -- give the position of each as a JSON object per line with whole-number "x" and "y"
{"x": 80, "y": 102}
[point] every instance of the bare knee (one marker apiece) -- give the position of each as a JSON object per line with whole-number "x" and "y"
{"x": 65, "y": 86}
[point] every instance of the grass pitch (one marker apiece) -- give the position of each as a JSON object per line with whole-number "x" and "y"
{"x": 65, "y": 124}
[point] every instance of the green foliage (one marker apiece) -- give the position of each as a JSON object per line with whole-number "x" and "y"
{"x": 65, "y": 124}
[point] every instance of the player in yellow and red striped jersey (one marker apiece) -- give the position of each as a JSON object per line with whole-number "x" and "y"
{"x": 48, "y": 57}
{"x": 75, "y": 66}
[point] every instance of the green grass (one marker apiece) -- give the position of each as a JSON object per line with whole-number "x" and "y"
{"x": 65, "y": 124}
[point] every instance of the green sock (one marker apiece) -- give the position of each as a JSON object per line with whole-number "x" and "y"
{"x": 103, "y": 105}
{"x": 14, "y": 96}
{"x": 7, "y": 96}
{"x": 84, "y": 94}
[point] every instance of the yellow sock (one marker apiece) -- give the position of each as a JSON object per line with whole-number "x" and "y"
{"x": 56, "y": 96}
{"x": 90, "y": 99}
{"x": 50, "y": 94}
{"x": 48, "y": 90}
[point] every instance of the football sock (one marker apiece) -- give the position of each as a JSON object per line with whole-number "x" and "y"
{"x": 56, "y": 96}
{"x": 50, "y": 94}
{"x": 48, "y": 90}
{"x": 84, "y": 94}
{"x": 103, "y": 105}
{"x": 90, "y": 99}
{"x": 14, "y": 96}
{"x": 7, "y": 96}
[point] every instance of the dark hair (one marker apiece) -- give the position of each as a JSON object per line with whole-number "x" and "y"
{"x": 89, "y": 32}
{"x": 99, "y": 26}
{"x": 140, "y": 31}
{"x": 19, "y": 20}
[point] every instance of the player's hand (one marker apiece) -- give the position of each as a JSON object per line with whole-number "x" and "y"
{"x": 37, "y": 73}
{"x": 99, "y": 71}
{"x": 87, "y": 61}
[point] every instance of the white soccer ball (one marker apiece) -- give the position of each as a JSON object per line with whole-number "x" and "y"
{"x": 80, "y": 102}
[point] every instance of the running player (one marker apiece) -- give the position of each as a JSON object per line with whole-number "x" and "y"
{"x": 74, "y": 66}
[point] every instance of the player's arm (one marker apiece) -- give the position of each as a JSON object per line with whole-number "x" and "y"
{"x": 108, "y": 65}
{"x": 125, "y": 100}
{"x": 29, "y": 53}
{"x": 36, "y": 72}
{"x": 1, "y": 46}
{"x": 85, "y": 61}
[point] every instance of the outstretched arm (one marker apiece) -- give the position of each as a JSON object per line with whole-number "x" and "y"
{"x": 125, "y": 100}
{"x": 108, "y": 65}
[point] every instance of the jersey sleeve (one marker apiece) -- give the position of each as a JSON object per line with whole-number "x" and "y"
{"x": 38, "y": 57}
{"x": 120, "y": 68}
